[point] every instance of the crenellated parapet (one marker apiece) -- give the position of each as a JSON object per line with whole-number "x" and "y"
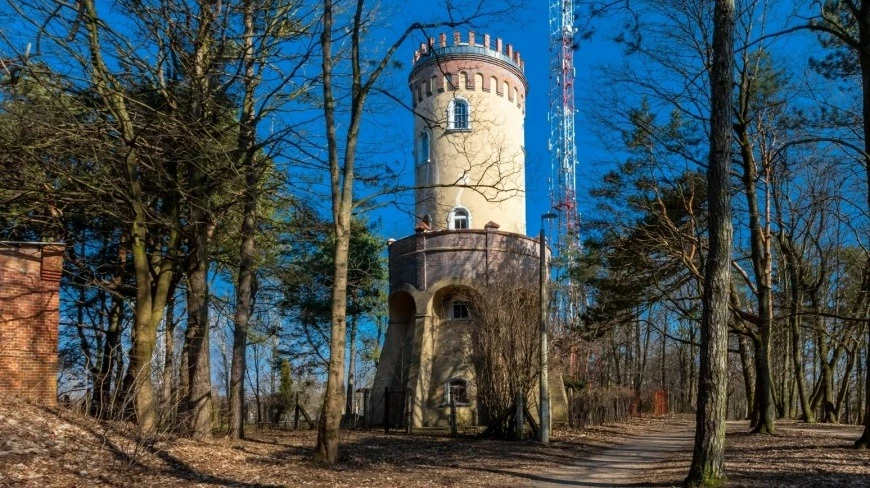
{"x": 473, "y": 63}
{"x": 502, "y": 51}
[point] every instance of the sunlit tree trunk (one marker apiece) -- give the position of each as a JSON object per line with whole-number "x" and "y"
{"x": 351, "y": 366}
{"x": 708, "y": 458}
{"x": 244, "y": 286}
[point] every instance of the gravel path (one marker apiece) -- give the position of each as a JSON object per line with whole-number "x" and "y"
{"x": 630, "y": 462}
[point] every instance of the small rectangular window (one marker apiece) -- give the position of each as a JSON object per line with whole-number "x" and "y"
{"x": 460, "y": 115}
{"x": 424, "y": 148}
{"x": 457, "y": 391}
{"x": 459, "y": 310}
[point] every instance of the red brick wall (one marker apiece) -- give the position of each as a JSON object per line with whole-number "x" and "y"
{"x": 29, "y": 283}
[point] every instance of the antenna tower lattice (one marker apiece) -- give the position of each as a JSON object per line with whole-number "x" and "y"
{"x": 567, "y": 297}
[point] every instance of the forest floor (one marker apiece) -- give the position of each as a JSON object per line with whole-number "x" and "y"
{"x": 42, "y": 446}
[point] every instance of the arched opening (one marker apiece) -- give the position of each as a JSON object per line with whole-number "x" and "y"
{"x": 459, "y": 219}
{"x": 396, "y": 358}
{"x": 454, "y": 375}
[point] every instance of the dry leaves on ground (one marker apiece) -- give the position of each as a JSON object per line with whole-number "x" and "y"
{"x": 42, "y": 446}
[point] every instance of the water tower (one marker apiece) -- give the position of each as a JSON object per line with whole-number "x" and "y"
{"x": 469, "y": 101}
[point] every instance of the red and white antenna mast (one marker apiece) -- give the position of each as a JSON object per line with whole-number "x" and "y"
{"x": 563, "y": 156}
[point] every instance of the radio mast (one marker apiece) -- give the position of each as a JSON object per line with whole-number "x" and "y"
{"x": 567, "y": 296}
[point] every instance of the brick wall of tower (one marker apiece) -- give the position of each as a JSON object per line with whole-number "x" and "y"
{"x": 480, "y": 256}
{"x": 29, "y": 300}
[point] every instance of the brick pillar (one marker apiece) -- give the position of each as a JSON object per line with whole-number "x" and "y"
{"x": 29, "y": 300}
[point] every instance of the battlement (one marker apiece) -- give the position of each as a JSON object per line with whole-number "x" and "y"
{"x": 470, "y": 45}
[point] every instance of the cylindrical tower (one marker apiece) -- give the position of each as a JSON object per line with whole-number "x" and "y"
{"x": 469, "y": 106}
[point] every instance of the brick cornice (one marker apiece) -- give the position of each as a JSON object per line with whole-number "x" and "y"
{"x": 434, "y": 59}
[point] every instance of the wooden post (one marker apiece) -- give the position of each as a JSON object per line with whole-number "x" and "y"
{"x": 296, "y": 413}
{"x": 367, "y": 394}
{"x": 386, "y": 410}
{"x": 569, "y": 390}
{"x": 409, "y": 411}
{"x": 519, "y": 418}
{"x": 848, "y": 405}
{"x": 453, "y": 429}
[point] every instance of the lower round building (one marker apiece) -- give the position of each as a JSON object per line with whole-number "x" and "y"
{"x": 438, "y": 282}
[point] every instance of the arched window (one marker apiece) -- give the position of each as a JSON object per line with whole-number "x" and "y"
{"x": 424, "y": 148}
{"x": 456, "y": 391}
{"x": 458, "y": 114}
{"x": 478, "y": 82}
{"x": 460, "y": 219}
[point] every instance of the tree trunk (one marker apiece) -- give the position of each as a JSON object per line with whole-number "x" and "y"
{"x": 859, "y": 382}
{"x": 843, "y": 391}
{"x": 748, "y": 380}
{"x": 864, "y": 441}
{"x": 708, "y": 457}
{"x": 199, "y": 401}
{"x": 765, "y": 408}
{"x": 330, "y": 417}
{"x": 327, "y": 438}
{"x": 169, "y": 400}
{"x": 243, "y": 308}
{"x": 102, "y": 398}
{"x": 246, "y": 151}
{"x": 351, "y": 366}
{"x": 663, "y": 372}
{"x": 151, "y": 292}
{"x": 761, "y": 266}
{"x": 795, "y": 306}
{"x": 864, "y": 62}
{"x": 684, "y": 382}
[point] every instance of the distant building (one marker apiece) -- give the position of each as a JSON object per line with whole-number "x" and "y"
{"x": 469, "y": 108}
{"x": 29, "y": 282}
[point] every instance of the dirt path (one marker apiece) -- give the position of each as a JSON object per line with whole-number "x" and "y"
{"x": 661, "y": 456}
